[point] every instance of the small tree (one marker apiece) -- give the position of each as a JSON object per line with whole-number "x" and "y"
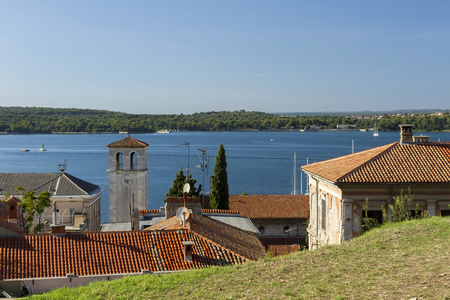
{"x": 178, "y": 183}
{"x": 402, "y": 209}
{"x": 219, "y": 182}
{"x": 33, "y": 205}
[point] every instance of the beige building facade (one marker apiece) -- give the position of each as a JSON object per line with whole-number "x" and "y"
{"x": 74, "y": 202}
{"x": 340, "y": 187}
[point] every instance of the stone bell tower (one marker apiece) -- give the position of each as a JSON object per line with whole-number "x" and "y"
{"x": 127, "y": 178}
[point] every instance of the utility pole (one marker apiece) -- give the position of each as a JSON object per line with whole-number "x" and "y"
{"x": 203, "y": 175}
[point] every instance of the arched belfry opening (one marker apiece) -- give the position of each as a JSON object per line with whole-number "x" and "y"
{"x": 119, "y": 161}
{"x": 133, "y": 159}
{"x": 127, "y": 178}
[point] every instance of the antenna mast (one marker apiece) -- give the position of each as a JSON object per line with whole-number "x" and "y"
{"x": 295, "y": 173}
{"x": 203, "y": 175}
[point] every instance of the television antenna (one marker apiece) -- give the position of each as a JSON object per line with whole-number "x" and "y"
{"x": 63, "y": 167}
{"x": 183, "y": 214}
{"x": 186, "y": 189}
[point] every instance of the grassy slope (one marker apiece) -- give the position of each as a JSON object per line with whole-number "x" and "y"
{"x": 398, "y": 261}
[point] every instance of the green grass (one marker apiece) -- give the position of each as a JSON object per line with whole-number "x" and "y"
{"x": 397, "y": 261}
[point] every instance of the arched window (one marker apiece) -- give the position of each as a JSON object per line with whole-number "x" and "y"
{"x": 119, "y": 161}
{"x": 133, "y": 160}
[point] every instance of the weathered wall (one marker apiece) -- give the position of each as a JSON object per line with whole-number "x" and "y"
{"x": 127, "y": 183}
{"x": 276, "y": 227}
{"x": 40, "y": 285}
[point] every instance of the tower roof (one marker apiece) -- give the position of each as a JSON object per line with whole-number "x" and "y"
{"x": 128, "y": 142}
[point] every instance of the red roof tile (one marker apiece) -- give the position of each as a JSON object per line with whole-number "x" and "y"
{"x": 243, "y": 243}
{"x": 392, "y": 163}
{"x": 93, "y": 253}
{"x": 270, "y": 206}
{"x": 128, "y": 142}
{"x": 219, "y": 211}
{"x": 149, "y": 211}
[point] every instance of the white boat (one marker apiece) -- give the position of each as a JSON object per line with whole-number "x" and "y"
{"x": 42, "y": 149}
{"x": 375, "y": 130}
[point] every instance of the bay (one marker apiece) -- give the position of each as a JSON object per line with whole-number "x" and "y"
{"x": 258, "y": 162}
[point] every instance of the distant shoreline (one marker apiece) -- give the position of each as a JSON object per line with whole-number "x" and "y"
{"x": 237, "y": 130}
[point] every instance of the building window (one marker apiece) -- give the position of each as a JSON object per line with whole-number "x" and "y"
{"x": 119, "y": 161}
{"x": 415, "y": 214}
{"x": 262, "y": 230}
{"x": 374, "y": 214}
{"x": 133, "y": 160}
{"x": 72, "y": 213}
{"x": 324, "y": 215}
{"x": 445, "y": 213}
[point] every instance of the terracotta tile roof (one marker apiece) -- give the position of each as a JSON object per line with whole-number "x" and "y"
{"x": 270, "y": 206}
{"x": 276, "y": 250}
{"x": 128, "y": 142}
{"x": 392, "y": 163}
{"x": 189, "y": 199}
{"x": 219, "y": 211}
{"x": 149, "y": 211}
{"x": 55, "y": 183}
{"x": 243, "y": 243}
{"x": 93, "y": 253}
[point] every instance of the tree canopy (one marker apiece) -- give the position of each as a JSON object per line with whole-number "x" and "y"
{"x": 219, "y": 182}
{"x": 54, "y": 120}
{"x": 32, "y": 206}
{"x": 178, "y": 183}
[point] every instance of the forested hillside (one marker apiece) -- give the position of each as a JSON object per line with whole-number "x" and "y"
{"x": 49, "y": 120}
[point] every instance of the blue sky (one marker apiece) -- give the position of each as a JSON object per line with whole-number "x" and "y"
{"x": 174, "y": 57}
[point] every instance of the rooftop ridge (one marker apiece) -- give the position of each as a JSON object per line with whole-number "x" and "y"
{"x": 128, "y": 142}
{"x": 57, "y": 175}
{"x": 392, "y": 145}
{"x": 339, "y": 167}
{"x": 149, "y": 211}
{"x": 217, "y": 244}
{"x": 219, "y": 211}
{"x": 71, "y": 181}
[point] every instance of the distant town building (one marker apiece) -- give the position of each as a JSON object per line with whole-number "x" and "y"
{"x": 75, "y": 202}
{"x": 281, "y": 219}
{"x": 345, "y": 127}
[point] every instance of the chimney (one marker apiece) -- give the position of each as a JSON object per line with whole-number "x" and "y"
{"x": 406, "y": 134}
{"x": 13, "y": 213}
{"x": 421, "y": 139}
{"x": 135, "y": 220}
{"x": 187, "y": 250}
{"x": 58, "y": 230}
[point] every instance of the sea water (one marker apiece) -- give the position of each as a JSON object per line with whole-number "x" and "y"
{"x": 258, "y": 162}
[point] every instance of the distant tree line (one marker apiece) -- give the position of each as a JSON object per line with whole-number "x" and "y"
{"x": 49, "y": 120}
